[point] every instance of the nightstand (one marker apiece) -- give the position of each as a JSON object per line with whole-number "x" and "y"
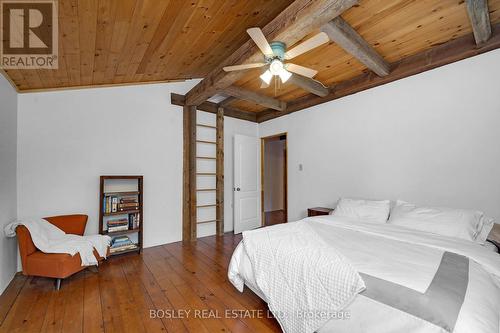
{"x": 318, "y": 211}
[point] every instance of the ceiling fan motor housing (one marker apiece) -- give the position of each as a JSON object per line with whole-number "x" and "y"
{"x": 279, "y": 49}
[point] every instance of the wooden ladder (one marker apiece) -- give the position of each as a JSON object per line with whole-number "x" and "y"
{"x": 190, "y": 189}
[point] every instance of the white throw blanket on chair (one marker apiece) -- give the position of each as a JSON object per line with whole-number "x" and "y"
{"x": 50, "y": 239}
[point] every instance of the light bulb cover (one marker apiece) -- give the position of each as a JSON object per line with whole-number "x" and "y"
{"x": 276, "y": 67}
{"x": 267, "y": 76}
{"x": 284, "y": 75}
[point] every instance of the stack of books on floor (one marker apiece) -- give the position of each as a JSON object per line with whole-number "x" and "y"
{"x": 118, "y": 225}
{"x": 128, "y": 203}
{"x": 121, "y": 243}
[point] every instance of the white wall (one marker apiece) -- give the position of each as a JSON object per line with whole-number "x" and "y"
{"x": 432, "y": 139}
{"x": 67, "y": 139}
{"x": 8, "y": 203}
{"x": 274, "y": 175}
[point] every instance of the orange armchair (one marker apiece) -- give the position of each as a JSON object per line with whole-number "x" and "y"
{"x": 53, "y": 265}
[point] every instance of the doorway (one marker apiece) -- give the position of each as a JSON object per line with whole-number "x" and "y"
{"x": 274, "y": 179}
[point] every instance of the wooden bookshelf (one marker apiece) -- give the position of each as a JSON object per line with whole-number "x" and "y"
{"x": 110, "y": 188}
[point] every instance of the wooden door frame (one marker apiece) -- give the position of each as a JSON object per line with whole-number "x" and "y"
{"x": 285, "y": 175}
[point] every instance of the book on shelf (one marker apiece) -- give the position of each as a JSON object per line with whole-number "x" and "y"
{"x": 121, "y": 243}
{"x": 131, "y": 204}
{"x": 127, "y": 209}
{"x": 129, "y": 200}
{"x": 134, "y": 220}
{"x": 118, "y": 228}
{"x": 122, "y": 220}
{"x": 123, "y": 248}
{"x": 117, "y": 224}
{"x": 116, "y": 203}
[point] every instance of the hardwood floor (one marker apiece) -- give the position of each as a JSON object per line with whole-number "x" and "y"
{"x": 186, "y": 281}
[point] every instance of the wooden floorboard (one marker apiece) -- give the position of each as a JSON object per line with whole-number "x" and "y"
{"x": 274, "y": 217}
{"x": 8, "y": 298}
{"x": 176, "y": 278}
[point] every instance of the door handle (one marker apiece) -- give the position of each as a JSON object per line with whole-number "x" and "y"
{"x": 238, "y": 189}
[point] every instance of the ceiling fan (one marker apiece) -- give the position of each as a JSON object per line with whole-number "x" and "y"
{"x": 275, "y": 54}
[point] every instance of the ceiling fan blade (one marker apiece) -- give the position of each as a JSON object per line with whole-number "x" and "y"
{"x": 308, "y": 45}
{"x": 244, "y": 66}
{"x": 261, "y": 41}
{"x": 301, "y": 70}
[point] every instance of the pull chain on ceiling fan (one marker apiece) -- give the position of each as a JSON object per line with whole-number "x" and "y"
{"x": 275, "y": 54}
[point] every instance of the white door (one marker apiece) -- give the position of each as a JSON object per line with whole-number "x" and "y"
{"x": 247, "y": 214}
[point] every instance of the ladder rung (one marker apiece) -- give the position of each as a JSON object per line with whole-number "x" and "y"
{"x": 209, "y": 221}
{"x": 203, "y": 141}
{"x": 206, "y": 189}
{"x": 206, "y": 174}
{"x": 206, "y": 206}
{"x": 206, "y": 158}
{"x": 206, "y": 126}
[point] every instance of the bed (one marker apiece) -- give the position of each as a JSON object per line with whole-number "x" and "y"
{"x": 414, "y": 281}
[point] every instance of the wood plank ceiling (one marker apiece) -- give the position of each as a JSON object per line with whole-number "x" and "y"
{"x": 395, "y": 28}
{"x": 104, "y": 42}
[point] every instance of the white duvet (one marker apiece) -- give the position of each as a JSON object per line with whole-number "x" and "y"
{"x": 404, "y": 257}
{"x": 318, "y": 270}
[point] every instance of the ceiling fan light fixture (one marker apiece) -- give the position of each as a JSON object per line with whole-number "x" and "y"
{"x": 276, "y": 67}
{"x": 284, "y": 75}
{"x": 267, "y": 76}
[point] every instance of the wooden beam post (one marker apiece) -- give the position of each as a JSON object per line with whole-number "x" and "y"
{"x": 310, "y": 85}
{"x": 219, "y": 196}
{"x": 211, "y": 107}
{"x": 346, "y": 37}
{"x": 252, "y": 96}
{"x": 189, "y": 232}
{"x": 294, "y": 23}
{"x": 479, "y": 17}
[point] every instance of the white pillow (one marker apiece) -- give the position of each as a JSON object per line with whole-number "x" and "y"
{"x": 485, "y": 226}
{"x": 457, "y": 223}
{"x": 363, "y": 210}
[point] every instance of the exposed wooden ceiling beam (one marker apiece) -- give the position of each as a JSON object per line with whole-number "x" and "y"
{"x": 310, "y": 85}
{"x": 290, "y": 26}
{"x": 452, "y": 51}
{"x": 480, "y": 19}
{"x": 227, "y": 101}
{"x": 252, "y": 96}
{"x": 177, "y": 99}
{"x": 346, "y": 37}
